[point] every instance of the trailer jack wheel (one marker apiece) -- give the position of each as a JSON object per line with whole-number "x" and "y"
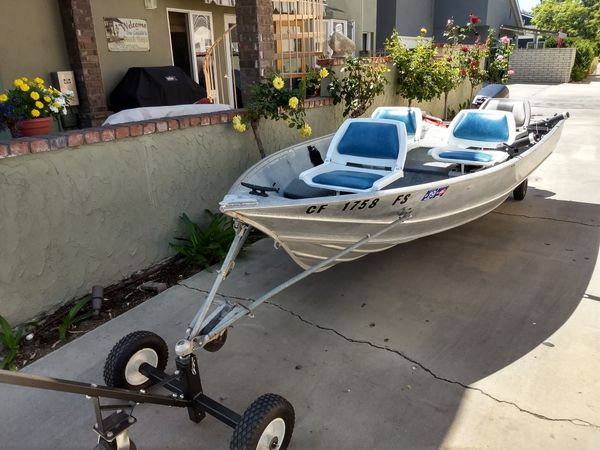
{"x": 122, "y": 366}
{"x": 520, "y": 191}
{"x": 266, "y": 425}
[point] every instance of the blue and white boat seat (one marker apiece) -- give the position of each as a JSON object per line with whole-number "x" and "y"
{"x": 519, "y": 108}
{"x": 473, "y": 135}
{"x": 364, "y": 155}
{"x": 411, "y": 117}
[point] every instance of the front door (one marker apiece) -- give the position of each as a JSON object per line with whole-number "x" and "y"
{"x": 191, "y": 34}
{"x": 233, "y": 62}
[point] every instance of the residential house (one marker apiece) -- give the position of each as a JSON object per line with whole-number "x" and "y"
{"x": 409, "y": 16}
{"x": 100, "y": 40}
{"x": 357, "y": 19}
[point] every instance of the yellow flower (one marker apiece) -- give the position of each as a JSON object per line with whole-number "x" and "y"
{"x": 241, "y": 127}
{"x": 277, "y": 83}
{"x": 3, "y": 98}
{"x": 38, "y": 80}
{"x": 34, "y": 95}
{"x": 39, "y": 105}
{"x": 423, "y": 30}
{"x": 47, "y": 99}
{"x": 24, "y": 87}
{"x": 323, "y": 72}
{"x": 237, "y": 119}
{"x": 25, "y": 79}
{"x": 35, "y": 113}
{"x": 293, "y": 102}
{"x": 305, "y": 131}
{"x": 18, "y": 82}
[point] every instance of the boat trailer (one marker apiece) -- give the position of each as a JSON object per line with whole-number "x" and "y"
{"x": 138, "y": 361}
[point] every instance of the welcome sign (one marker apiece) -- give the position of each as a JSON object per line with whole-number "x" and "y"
{"x": 126, "y": 35}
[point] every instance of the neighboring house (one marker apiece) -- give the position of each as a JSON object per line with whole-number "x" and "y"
{"x": 409, "y": 16}
{"x": 531, "y": 37}
{"x": 357, "y": 19}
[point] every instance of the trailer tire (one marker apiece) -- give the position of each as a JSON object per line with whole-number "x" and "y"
{"x": 520, "y": 191}
{"x": 267, "y": 424}
{"x": 125, "y": 358}
{"x": 105, "y": 445}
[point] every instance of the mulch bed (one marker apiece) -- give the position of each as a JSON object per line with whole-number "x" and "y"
{"x": 118, "y": 299}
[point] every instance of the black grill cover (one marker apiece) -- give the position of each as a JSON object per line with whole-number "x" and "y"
{"x": 155, "y": 86}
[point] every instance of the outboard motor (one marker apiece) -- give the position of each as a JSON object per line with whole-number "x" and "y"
{"x": 489, "y": 91}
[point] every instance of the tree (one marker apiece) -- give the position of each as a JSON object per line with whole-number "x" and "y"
{"x": 577, "y": 18}
{"x": 359, "y": 87}
{"x": 416, "y": 70}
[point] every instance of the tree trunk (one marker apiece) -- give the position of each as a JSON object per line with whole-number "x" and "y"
{"x": 445, "y": 105}
{"x": 259, "y": 144}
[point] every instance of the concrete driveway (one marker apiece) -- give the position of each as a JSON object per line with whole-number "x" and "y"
{"x": 483, "y": 337}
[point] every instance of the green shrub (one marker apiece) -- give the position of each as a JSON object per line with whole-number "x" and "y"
{"x": 74, "y": 316}
{"x": 416, "y": 71}
{"x": 11, "y": 341}
{"x": 585, "y": 51}
{"x": 362, "y": 82}
{"x": 205, "y": 246}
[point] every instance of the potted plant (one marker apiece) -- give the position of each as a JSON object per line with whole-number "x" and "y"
{"x": 28, "y": 108}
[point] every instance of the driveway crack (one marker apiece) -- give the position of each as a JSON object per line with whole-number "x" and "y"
{"x": 575, "y": 421}
{"x": 548, "y": 218}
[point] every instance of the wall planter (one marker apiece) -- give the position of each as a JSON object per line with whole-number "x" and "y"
{"x": 31, "y": 127}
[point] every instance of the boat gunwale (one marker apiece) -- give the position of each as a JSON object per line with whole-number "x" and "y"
{"x": 283, "y": 202}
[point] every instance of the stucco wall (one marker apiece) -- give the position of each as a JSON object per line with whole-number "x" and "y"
{"x": 32, "y": 42}
{"x": 115, "y": 64}
{"x": 459, "y": 10}
{"x": 95, "y": 214}
{"x": 542, "y": 65}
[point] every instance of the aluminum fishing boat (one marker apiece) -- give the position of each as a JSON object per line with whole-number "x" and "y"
{"x": 436, "y": 181}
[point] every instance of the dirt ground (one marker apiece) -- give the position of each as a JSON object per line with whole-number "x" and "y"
{"x": 43, "y": 337}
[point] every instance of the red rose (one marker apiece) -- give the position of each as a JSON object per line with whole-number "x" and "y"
{"x": 474, "y": 19}
{"x": 449, "y": 58}
{"x": 463, "y": 72}
{"x": 465, "y": 49}
{"x": 474, "y": 63}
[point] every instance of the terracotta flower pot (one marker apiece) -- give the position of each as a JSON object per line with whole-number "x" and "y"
{"x": 32, "y": 127}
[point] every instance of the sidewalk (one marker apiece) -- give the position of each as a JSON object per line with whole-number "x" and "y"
{"x": 485, "y": 336}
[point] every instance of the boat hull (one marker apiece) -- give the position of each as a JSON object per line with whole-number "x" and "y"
{"x": 312, "y": 230}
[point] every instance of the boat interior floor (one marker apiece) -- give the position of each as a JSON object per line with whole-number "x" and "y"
{"x": 419, "y": 168}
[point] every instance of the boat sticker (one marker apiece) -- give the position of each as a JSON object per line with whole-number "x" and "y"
{"x": 315, "y": 209}
{"x": 434, "y": 193}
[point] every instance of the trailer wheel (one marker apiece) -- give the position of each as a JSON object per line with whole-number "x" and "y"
{"x": 124, "y": 360}
{"x": 216, "y": 344}
{"x": 105, "y": 445}
{"x": 520, "y": 191}
{"x": 266, "y": 425}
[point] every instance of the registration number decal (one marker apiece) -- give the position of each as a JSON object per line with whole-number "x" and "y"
{"x": 357, "y": 205}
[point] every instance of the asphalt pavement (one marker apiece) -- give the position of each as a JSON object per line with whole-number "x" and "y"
{"x": 486, "y": 336}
